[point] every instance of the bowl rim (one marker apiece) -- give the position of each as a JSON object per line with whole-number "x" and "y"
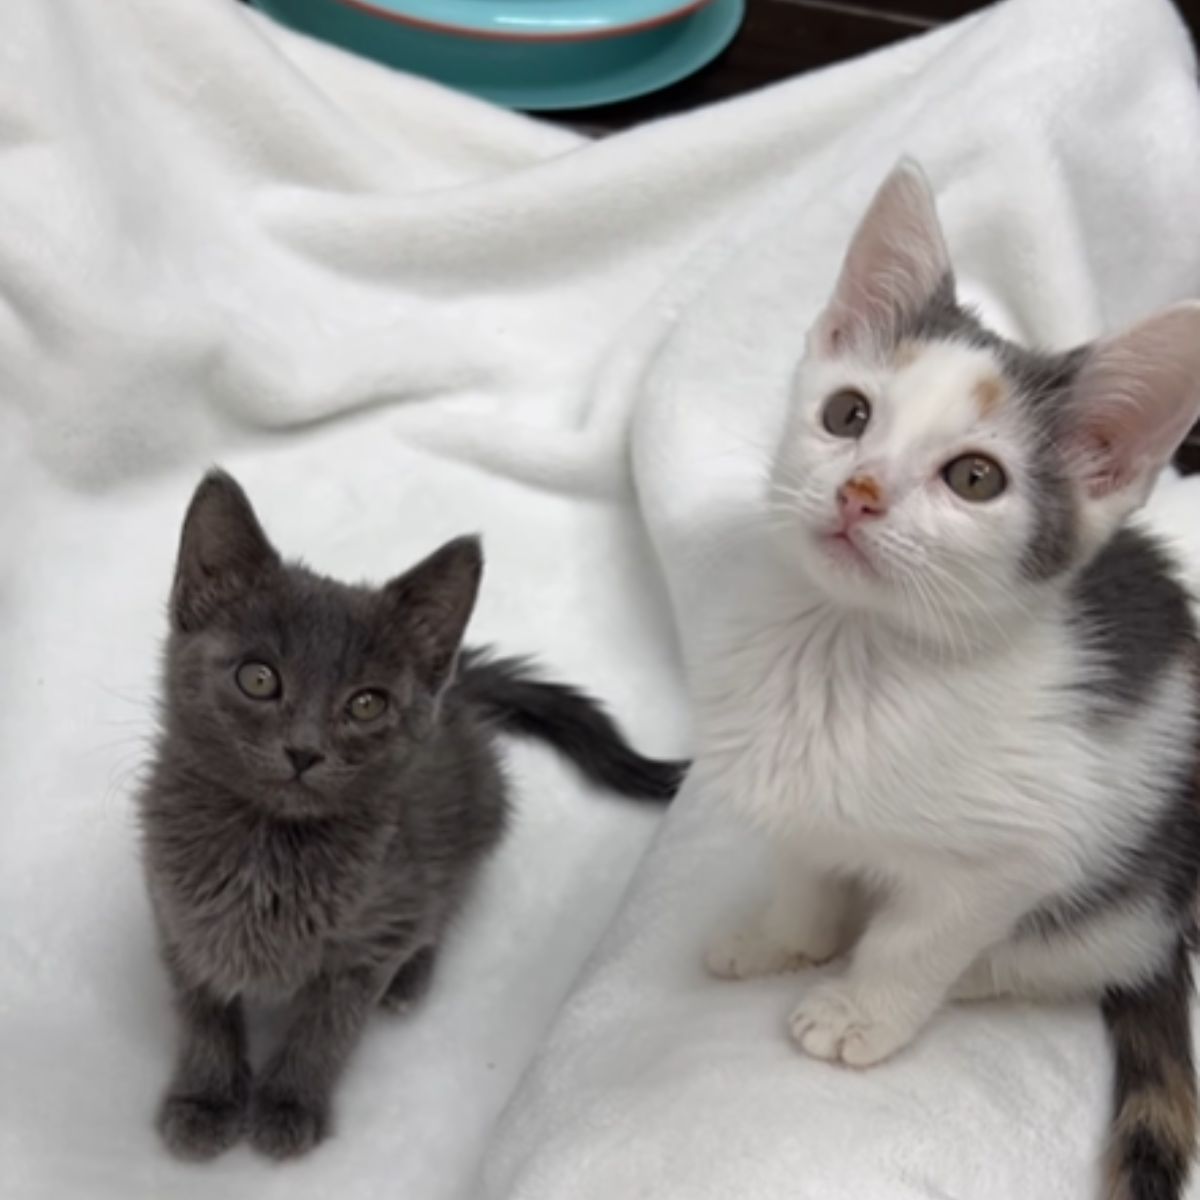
{"x": 461, "y": 23}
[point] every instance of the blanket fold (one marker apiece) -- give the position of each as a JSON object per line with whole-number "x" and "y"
{"x": 397, "y": 315}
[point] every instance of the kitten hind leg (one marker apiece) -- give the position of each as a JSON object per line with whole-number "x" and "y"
{"x": 411, "y": 981}
{"x": 809, "y": 919}
{"x": 1123, "y": 946}
{"x": 203, "y": 1111}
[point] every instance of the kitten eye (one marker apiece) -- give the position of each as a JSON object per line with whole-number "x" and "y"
{"x": 368, "y": 705}
{"x": 258, "y": 681}
{"x": 846, "y": 413}
{"x": 975, "y": 477}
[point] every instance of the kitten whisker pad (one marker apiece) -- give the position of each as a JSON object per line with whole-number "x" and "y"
{"x": 995, "y": 725}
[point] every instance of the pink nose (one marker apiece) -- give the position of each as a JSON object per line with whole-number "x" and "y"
{"x": 859, "y": 498}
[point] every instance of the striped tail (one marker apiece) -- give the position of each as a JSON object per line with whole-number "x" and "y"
{"x": 1154, "y": 1120}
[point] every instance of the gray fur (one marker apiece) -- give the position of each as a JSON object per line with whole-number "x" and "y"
{"x": 1133, "y": 612}
{"x": 1129, "y": 606}
{"x": 1163, "y": 862}
{"x": 1042, "y": 381}
{"x": 1128, "y": 609}
{"x": 330, "y": 887}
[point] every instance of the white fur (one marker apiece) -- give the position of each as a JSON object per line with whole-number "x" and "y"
{"x": 933, "y": 549}
{"x": 912, "y": 724}
{"x": 966, "y": 792}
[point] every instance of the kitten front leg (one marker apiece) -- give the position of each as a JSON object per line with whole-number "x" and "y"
{"x": 917, "y": 945}
{"x": 203, "y": 1110}
{"x": 289, "y": 1111}
{"x": 807, "y": 920}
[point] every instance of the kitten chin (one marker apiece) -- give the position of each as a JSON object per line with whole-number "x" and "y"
{"x": 980, "y": 695}
{"x": 326, "y": 788}
{"x": 292, "y": 800}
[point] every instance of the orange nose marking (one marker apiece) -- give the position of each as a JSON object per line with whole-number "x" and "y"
{"x": 864, "y": 488}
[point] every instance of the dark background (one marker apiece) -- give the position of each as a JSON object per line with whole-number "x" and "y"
{"x": 781, "y": 38}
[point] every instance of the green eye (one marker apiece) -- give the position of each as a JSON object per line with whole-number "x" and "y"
{"x": 368, "y": 705}
{"x": 258, "y": 681}
{"x": 975, "y": 477}
{"x": 846, "y": 414}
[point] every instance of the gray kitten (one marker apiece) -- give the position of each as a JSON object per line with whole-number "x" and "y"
{"x": 324, "y": 792}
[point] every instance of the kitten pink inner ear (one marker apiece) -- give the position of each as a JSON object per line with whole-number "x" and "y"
{"x": 896, "y": 262}
{"x": 1136, "y": 397}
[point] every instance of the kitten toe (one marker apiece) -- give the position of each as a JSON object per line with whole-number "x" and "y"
{"x": 745, "y": 954}
{"x": 832, "y": 1024}
{"x": 199, "y": 1127}
{"x": 285, "y": 1126}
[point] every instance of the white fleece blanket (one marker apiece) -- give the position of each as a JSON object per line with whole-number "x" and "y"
{"x": 1064, "y": 142}
{"x": 396, "y": 315}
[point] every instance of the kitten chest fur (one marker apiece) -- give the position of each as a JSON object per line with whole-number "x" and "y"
{"x": 257, "y": 906}
{"x": 873, "y": 755}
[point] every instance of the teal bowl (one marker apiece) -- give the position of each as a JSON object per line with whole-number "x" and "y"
{"x": 527, "y": 54}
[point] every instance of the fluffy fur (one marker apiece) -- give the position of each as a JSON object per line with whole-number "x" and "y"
{"x": 311, "y": 843}
{"x": 968, "y": 727}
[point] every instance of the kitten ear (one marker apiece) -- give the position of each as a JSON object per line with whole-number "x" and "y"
{"x": 222, "y": 552}
{"x": 431, "y": 604}
{"x": 896, "y": 263}
{"x": 1135, "y": 398}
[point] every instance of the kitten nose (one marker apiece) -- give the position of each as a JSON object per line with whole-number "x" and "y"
{"x": 860, "y": 497}
{"x": 302, "y": 758}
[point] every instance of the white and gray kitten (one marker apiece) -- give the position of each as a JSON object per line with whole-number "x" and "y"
{"x": 966, "y": 716}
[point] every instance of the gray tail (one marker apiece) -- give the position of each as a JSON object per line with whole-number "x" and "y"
{"x": 569, "y": 720}
{"x": 1153, "y": 1132}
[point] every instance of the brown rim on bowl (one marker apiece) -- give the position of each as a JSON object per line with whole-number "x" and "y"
{"x": 487, "y": 35}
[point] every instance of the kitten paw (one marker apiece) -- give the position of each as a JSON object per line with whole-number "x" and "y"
{"x": 832, "y": 1023}
{"x": 284, "y": 1126}
{"x": 410, "y": 983}
{"x": 745, "y": 954}
{"x": 199, "y": 1127}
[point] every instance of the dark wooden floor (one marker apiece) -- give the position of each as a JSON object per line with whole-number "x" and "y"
{"x": 779, "y": 39}
{"x": 782, "y": 38}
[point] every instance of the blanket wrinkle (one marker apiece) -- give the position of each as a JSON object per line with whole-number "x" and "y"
{"x": 398, "y": 314}
{"x": 1062, "y": 141}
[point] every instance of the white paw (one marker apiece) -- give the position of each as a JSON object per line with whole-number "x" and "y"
{"x": 834, "y": 1024}
{"x": 746, "y": 953}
